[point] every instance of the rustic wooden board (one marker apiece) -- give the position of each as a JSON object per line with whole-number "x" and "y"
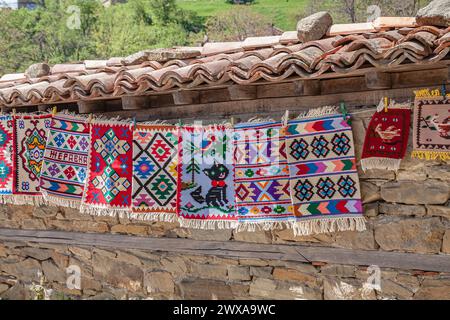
{"x": 235, "y": 249}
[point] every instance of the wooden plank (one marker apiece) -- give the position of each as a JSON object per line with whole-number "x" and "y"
{"x": 214, "y": 95}
{"x": 333, "y": 86}
{"x": 420, "y": 78}
{"x": 91, "y": 106}
{"x": 238, "y": 92}
{"x": 186, "y": 97}
{"x": 378, "y": 80}
{"x": 285, "y": 252}
{"x": 135, "y": 102}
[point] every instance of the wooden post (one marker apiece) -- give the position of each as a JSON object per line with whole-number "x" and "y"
{"x": 378, "y": 80}
{"x": 308, "y": 87}
{"x": 135, "y": 103}
{"x": 91, "y": 106}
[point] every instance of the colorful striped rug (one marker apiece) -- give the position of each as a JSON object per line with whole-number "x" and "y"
{"x": 261, "y": 176}
{"x": 64, "y": 168}
{"x": 324, "y": 182}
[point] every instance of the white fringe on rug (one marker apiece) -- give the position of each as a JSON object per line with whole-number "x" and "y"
{"x": 264, "y": 226}
{"x": 104, "y": 211}
{"x": 153, "y": 216}
{"x": 61, "y": 202}
{"x": 326, "y": 225}
{"x": 207, "y": 224}
{"x": 23, "y": 200}
{"x": 380, "y": 163}
{"x": 318, "y": 112}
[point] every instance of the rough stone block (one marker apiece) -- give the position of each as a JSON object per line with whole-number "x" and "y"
{"x": 314, "y": 27}
{"x": 436, "y": 13}
{"x": 159, "y": 282}
{"x": 422, "y": 235}
{"x": 239, "y": 273}
{"x": 402, "y": 210}
{"x": 413, "y": 192}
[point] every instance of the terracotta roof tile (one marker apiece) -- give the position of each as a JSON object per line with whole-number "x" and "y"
{"x": 273, "y": 58}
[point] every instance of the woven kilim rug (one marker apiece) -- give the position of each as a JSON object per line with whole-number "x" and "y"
{"x": 6, "y": 154}
{"x": 261, "y": 176}
{"x": 431, "y": 129}
{"x": 386, "y": 138}
{"x": 207, "y": 190}
{"x": 30, "y": 137}
{"x": 64, "y": 168}
{"x": 323, "y": 178}
{"x": 155, "y": 172}
{"x": 108, "y": 186}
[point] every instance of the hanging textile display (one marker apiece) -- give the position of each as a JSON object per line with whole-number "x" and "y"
{"x": 207, "y": 190}
{"x": 323, "y": 178}
{"x": 108, "y": 187}
{"x": 431, "y": 129}
{"x": 30, "y": 137}
{"x": 155, "y": 172}
{"x": 386, "y": 138}
{"x": 6, "y": 155}
{"x": 64, "y": 168}
{"x": 261, "y": 176}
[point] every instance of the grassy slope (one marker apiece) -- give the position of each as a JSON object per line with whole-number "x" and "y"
{"x": 281, "y": 12}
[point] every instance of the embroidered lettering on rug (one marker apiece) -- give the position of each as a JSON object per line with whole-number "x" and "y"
{"x": 155, "y": 172}
{"x": 6, "y": 154}
{"x": 64, "y": 168}
{"x": 386, "y": 139}
{"x": 261, "y": 176}
{"x": 207, "y": 190}
{"x": 431, "y": 129}
{"x": 108, "y": 189}
{"x": 30, "y": 137}
{"x": 323, "y": 177}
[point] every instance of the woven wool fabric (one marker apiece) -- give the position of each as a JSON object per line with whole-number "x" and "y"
{"x": 64, "y": 168}
{"x": 108, "y": 188}
{"x": 30, "y": 138}
{"x": 261, "y": 176}
{"x": 386, "y": 139}
{"x": 207, "y": 190}
{"x": 323, "y": 178}
{"x": 6, "y": 151}
{"x": 431, "y": 129}
{"x": 155, "y": 172}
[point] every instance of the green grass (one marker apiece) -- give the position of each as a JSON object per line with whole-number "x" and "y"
{"x": 283, "y": 13}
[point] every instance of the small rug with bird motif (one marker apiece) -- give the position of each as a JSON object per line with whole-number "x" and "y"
{"x": 431, "y": 129}
{"x": 386, "y": 138}
{"x": 206, "y": 170}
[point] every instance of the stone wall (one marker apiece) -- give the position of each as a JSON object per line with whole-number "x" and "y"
{"x": 407, "y": 211}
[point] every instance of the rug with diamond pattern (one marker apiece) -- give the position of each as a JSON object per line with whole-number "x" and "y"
{"x": 65, "y": 160}
{"x": 261, "y": 175}
{"x": 323, "y": 177}
{"x": 108, "y": 188}
{"x": 155, "y": 172}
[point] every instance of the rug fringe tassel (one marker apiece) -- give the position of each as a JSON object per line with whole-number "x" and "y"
{"x": 326, "y": 225}
{"x": 207, "y": 224}
{"x": 317, "y": 112}
{"x": 264, "y": 226}
{"x": 380, "y": 163}
{"x": 431, "y": 155}
{"x": 23, "y": 200}
{"x": 102, "y": 212}
{"x": 61, "y": 202}
{"x": 153, "y": 216}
